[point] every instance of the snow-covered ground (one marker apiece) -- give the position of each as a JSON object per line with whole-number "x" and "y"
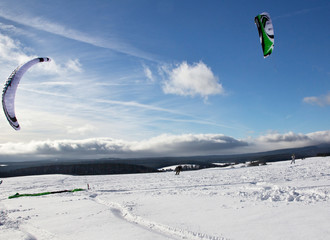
{"x": 275, "y": 201}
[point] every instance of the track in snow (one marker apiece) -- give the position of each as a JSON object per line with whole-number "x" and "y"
{"x": 167, "y": 231}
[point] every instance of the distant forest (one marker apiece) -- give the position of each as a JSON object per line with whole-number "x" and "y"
{"x": 149, "y": 165}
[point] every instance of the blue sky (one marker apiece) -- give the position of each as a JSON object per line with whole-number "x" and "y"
{"x": 154, "y": 78}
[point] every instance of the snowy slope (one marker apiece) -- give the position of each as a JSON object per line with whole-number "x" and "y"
{"x": 275, "y": 201}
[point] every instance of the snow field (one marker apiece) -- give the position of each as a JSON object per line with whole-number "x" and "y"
{"x": 276, "y": 201}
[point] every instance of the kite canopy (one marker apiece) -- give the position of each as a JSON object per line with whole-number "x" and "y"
{"x": 17, "y": 195}
{"x": 9, "y": 91}
{"x": 266, "y": 33}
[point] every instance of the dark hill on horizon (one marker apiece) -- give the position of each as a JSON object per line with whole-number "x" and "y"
{"x": 151, "y": 164}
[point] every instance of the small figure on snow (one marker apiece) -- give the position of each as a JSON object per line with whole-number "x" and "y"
{"x": 178, "y": 170}
{"x": 293, "y": 157}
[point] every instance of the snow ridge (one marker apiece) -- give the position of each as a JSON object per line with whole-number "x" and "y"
{"x": 274, "y": 193}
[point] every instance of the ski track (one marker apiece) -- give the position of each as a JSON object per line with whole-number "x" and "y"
{"x": 121, "y": 212}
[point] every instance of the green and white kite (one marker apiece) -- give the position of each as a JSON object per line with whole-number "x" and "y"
{"x": 266, "y": 33}
{"x": 17, "y": 195}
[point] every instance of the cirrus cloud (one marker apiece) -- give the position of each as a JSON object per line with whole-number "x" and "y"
{"x": 43, "y": 24}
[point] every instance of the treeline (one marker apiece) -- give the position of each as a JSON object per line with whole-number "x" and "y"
{"x": 323, "y": 154}
{"x": 79, "y": 169}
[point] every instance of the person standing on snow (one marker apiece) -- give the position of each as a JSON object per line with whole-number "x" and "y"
{"x": 178, "y": 169}
{"x": 293, "y": 157}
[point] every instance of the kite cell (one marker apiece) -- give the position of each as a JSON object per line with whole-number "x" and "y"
{"x": 266, "y": 33}
{"x": 9, "y": 91}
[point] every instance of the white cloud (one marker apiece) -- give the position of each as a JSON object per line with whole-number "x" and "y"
{"x": 163, "y": 145}
{"x": 57, "y": 83}
{"x": 323, "y": 100}
{"x": 12, "y": 50}
{"x": 11, "y": 29}
{"x": 298, "y": 12}
{"x": 188, "y": 143}
{"x": 192, "y": 80}
{"x": 148, "y": 73}
{"x": 137, "y": 105}
{"x": 286, "y": 137}
{"x": 74, "y": 65}
{"x": 274, "y": 141}
{"x": 13, "y": 53}
{"x": 88, "y": 128}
